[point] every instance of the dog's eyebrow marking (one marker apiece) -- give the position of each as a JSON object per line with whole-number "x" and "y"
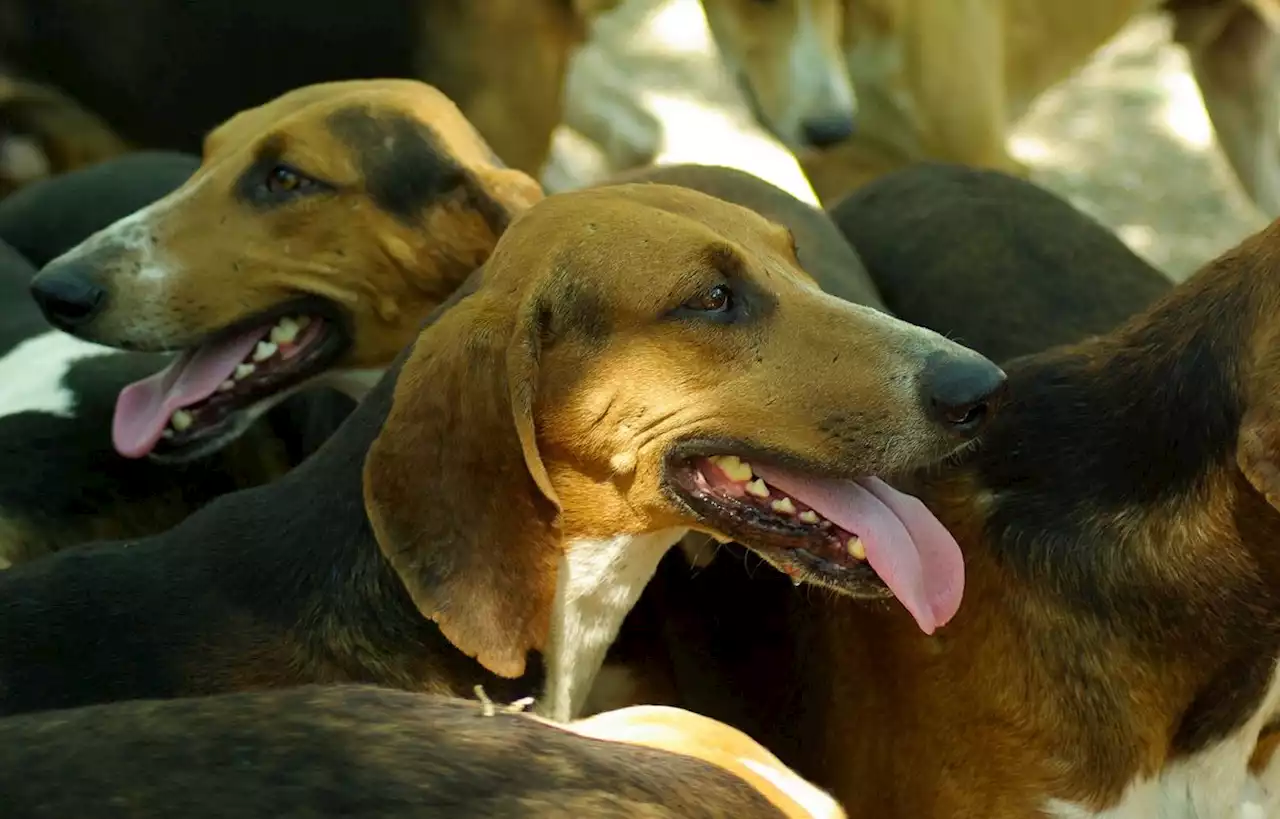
{"x": 405, "y": 168}
{"x": 577, "y": 309}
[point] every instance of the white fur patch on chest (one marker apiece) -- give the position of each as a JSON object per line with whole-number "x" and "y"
{"x": 1213, "y": 784}
{"x": 355, "y": 384}
{"x": 597, "y": 583}
{"x": 32, "y": 375}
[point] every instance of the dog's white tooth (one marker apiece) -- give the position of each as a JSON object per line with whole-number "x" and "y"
{"x": 285, "y": 331}
{"x": 809, "y": 516}
{"x": 181, "y": 420}
{"x": 733, "y": 467}
{"x": 758, "y": 488}
{"x": 166, "y": 433}
{"x": 227, "y": 386}
{"x": 264, "y": 350}
{"x": 244, "y": 371}
{"x": 784, "y": 506}
{"x": 855, "y": 548}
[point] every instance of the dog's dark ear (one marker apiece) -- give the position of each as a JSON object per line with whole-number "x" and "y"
{"x": 455, "y": 488}
{"x": 1258, "y": 443}
{"x": 1258, "y": 451}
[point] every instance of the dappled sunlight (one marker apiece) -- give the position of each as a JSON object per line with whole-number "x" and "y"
{"x": 661, "y": 55}
{"x": 676, "y": 27}
{"x": 1126, "y": 140}
{"x": 1183, "y": 112}
{"x": 708, "y": 135}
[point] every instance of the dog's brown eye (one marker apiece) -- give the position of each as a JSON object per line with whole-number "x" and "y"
{"x": 284, "y": 180}
{"x": 718, "y": 299}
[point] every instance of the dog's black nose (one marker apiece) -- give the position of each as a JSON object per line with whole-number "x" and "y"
{"x": 962, "y": 391}
{"x": 824, "y": 131}
{"x": 68, "y": 296}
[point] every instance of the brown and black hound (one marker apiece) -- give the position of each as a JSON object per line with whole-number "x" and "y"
{"x": 161, "y": 73}
{"x": 1116, "y": 654}
{"x": 318, "y": 232}
{"x": 372, "y": 753}
{"x": 62, "y": 483}
{"x": 632, "y": 362}
{"x": 401, "y": 225}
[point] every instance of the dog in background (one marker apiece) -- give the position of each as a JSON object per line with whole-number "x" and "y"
{"x": 157, "y": 72}
{"x": 44, "y": 133}
{"x": 947, "y": 81}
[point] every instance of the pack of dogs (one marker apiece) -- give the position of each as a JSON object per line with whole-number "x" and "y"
{"x": 346, "y": 473}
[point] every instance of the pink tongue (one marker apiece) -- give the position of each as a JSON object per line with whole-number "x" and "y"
{"x": 144, "y": 408}
{"x": 908, "y": 547}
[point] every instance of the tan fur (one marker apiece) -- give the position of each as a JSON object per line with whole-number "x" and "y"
{"x": 947, "y": 81}
{"x": 504, "y": 63}
{"x": 225, "y": 261}
{"x": 53, "y": 133}
{"x": 787, "y": 54}
{"x": 540, "y": 410}
{"x": 690, "y": 734}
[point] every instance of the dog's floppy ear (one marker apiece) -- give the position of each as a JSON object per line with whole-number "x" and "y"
{"x": 455, "y": 488}
{"x": 1258, "y": 442}
{"x": 502, "y": 194}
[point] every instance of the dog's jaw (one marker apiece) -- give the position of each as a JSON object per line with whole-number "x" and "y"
{"x": 597, "y": 583}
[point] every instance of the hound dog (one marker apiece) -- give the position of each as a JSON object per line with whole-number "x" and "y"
{"x": 45, "y": 133}
{"x": 1116, "y": 653}
{"x": 632, "y": 362}
{"x": 503, "y": 61}
{"x": 428, "y": 207}
{"x": 947, "y": 81}
{"x": 359, "y": 751}
{"x": 1034, "y": 306}
{"x": 62, "y": 483}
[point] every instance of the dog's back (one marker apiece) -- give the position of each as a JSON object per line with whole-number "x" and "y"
{"x": 994, "y": 262}
{"x": 343, "y": 751}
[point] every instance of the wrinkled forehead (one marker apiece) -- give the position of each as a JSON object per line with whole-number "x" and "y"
{"x": 334, "y": 120}
{"x": 631, "y": 240}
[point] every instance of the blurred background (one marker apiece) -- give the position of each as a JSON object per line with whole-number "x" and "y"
{"x": 1126, "y": 139}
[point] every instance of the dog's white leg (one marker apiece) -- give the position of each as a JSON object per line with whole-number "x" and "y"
{"x": 1235, "y": 57}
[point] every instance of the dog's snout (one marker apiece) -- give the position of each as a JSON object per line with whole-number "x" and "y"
{"x": 828, "y": 130}
{"x": 962, "y": 391}
{"x": 68, "y": 295}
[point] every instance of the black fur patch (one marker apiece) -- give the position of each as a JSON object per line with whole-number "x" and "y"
{"x": 404, "y": 166}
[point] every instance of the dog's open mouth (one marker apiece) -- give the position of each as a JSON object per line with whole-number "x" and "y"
{"x": 859, "y": 537}
{"x": 197, "y": 399}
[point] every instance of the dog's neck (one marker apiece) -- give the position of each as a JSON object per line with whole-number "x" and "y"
{"x": 597, "y": 584}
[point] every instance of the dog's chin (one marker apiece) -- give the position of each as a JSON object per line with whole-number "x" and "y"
{"x": 728, "y": 499}
{"x": 214, "y": 438}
